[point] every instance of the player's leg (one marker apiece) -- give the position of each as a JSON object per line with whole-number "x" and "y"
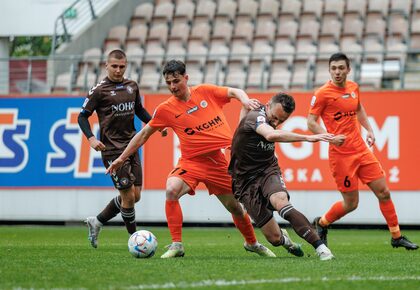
{"x": 130, "y": 173}
{"x": 175, "y": 188}
{"x": 128, "y": 212}
{"x": 337, "y": 210}
{"x": 280, "y": 202}
{"x": 243, "y": 224}
{"x": 280, "y": 237}
{"x": 344, "y": 170}
{"x": 387, "y": 208}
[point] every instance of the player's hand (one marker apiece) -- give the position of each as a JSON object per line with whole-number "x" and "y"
{"x": 252, "y": 104}
{"x": 370, "y": 139}
{"x": 326, "y": 137}
{"x": 96, "y": 144}
{"x": 164, "y": 132}
{"x": 338, "y": 140}
{"x": 117, "y": 163}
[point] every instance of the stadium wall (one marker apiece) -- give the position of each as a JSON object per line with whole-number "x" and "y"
{"x": 49, "y": 173}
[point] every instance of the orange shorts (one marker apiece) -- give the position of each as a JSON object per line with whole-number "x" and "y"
{"x": 210, "y": 169}
{"x": 348, "y": 169}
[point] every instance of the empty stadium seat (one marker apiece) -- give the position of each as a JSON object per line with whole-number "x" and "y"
{"x": 142, "y": 14}
{"x": 150, "y": 76}
{"x": 269, "y": 7}
{"x": 334, "y": 7}
{"x": 236, "y": 73}
{"x": 280, "y": 75}
{"x": 214, "y": 72}
{"x": 257, "y": 75}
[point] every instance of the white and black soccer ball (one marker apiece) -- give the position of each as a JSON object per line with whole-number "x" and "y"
{"x": 142, "y": 244}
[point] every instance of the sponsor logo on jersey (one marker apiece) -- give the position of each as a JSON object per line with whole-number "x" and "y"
{"x": 71, "y": 149}
{"x": 266, "y": 146}
{"x": 339, "y": 115}
{"x": 192, "y": 110}
{"x": 14, "y": 152}
{"x": 206, "y": 126}
{"x": 123, "y": 107}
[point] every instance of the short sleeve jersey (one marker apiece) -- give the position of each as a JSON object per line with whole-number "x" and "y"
{"x": 251, "y": 153}
{"x": 199, "y": 123}
{"x": 115, "y": 104}
{"x": 338, "y": 109}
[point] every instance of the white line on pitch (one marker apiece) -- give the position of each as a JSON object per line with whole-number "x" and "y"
{"x": 222, "y": 283}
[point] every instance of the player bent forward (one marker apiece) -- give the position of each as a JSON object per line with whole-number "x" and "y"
{"x": 256, "y": 176}
{"x": 201, "y": 157}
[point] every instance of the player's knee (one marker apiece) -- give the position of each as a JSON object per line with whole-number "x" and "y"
{"x": 384, "y": 194}
{"x": 274, "y": 239}
{"x": 172, "y": 192}
{"x": 234, "y": 208}
{"x": 137, "y": 194}
{"x": 351, "y": 205}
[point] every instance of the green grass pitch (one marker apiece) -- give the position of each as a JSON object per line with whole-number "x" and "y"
{"x": 47, "y": 257}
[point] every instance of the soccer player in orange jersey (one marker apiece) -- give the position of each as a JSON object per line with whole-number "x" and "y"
{"x": 338, "y": 104}
{"x": 195, "y": 114}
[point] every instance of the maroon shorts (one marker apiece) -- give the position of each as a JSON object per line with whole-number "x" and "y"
{"x": 128, "y": 174}
{"x": 254, "y": 193}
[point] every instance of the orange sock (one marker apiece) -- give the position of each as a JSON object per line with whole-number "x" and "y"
{"x": 390, "y": 215}
{"x": 335, "y": 213}
{"x": 174, "y": 218}
{"x": 243, "y": 224}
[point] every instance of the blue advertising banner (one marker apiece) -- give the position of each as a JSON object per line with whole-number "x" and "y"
{"x": 41, "y": 144}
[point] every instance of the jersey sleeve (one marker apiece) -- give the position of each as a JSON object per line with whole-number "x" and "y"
{"x": 317, "y": 103}
{"x": 92, "y": 100}
{"x": 139, "y": 110}
{"x": 218, "y": 94}
{"x": 160, "y": 117}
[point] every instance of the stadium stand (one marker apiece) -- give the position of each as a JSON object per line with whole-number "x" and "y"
{"x": 266, "y": 44}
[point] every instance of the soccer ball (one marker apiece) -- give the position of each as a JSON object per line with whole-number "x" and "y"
{"x": 142, "y": 244}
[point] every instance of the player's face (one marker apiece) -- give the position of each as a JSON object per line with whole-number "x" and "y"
{"x": 339, "y": 71}
{"x": 276, "y": 115}
{"x": 177, "y": 85}
{"x": 116, "y": 69}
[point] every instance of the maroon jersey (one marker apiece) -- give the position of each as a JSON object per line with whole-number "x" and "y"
{"x": 251, "y": 153}
{"x": 116, "y": 105}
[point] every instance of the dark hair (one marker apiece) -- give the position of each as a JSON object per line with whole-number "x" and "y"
{"x": 117, "y": 53}
{"x": 339, "y": 56}
{"x": 173, "y": 67}
{"x": 287, "y": 102}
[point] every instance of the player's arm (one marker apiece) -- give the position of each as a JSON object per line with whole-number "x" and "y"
{"x": 364, "y": 121}
{"x": 313, "y": 124}
{"x": 138, "y": 140}
{"x": 276, "y": 135}
{"x": 144, "y": 116}
{"x": 87, "y": 131}
{"x": 316, "y": 128}
{"x": 247, "y": 103}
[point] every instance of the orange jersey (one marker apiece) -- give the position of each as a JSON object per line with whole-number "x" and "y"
{"x": 199, "y": 123}
{"x": 338, "y": 109}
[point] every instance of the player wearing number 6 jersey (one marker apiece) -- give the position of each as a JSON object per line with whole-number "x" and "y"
{"x": 338, "y": 104}
{"x": 195, "y": 114}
